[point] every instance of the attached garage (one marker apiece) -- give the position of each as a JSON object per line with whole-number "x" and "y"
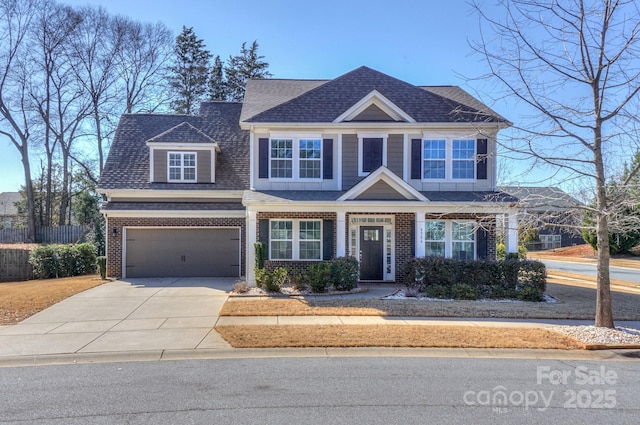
{"x": 180, "y": 252}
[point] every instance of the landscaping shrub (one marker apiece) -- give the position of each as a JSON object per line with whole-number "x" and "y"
{"x": 102, "y": 266}
{"x": 344, "y": 273}
{"x": 241, "y": 287}
{"x": 414, "y": 277}
{"x": 437, "y": 291}
{"x": 51, "y": 261}
{"x": 262, "y": 277}
{"x": 501, "y": 252}
{"x": 473, "y": 279}
{"x": 319, "y": 277}
{"x": 463, "y": 291}
{"x": 278, "y": 277}
{"x": 261, "y": 253}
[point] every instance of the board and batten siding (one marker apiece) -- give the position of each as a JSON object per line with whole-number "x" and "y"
{"x": 161, "y": 159}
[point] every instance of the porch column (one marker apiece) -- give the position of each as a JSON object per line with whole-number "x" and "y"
{"x": 512, "y": 231}
{"x": 251, "y": 240}
{"x": 341, "y": 230}
{"x": 419, "y": 236}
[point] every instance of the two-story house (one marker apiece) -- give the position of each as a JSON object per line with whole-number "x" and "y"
{"x": 363, "y": 165}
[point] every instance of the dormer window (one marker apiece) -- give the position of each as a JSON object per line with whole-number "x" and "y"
{"x": 182, "y": 167}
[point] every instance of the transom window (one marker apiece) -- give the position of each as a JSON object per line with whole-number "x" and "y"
{"x": 445, "y": 238}
{"x": 295, "y": 158}
{"x": 295, "y": 240}
{"x": 182, "y": 166}
{"x": 444, "y": 159}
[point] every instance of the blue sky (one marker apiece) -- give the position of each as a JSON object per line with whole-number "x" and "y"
{"x": 419, "y": 41}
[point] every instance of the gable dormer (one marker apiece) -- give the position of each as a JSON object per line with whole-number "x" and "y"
{"x": 374, "y": 107}
{"x": 182, "y": 154}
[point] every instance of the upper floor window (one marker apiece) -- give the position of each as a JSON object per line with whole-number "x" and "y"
{"x": 182, "y": 167}
{"x": 434, "y": 156}
{"x": 295, "y": 158}
{"x": 448, "y": 159}
{"x": 464, "y": 159}
{"x": 371, "y": 154}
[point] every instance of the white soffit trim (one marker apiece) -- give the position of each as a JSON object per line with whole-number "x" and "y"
{"x": 385, "y": 175}
{"x": 375, "y": 98}
{"x": 168, "y": 194}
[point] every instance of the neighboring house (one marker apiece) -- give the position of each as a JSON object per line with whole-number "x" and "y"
{"x": 555, "y": 214}
{"x": 363, "y": 165}
{"x": 8, "y": 209}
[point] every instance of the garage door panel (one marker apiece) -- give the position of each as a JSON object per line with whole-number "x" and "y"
{"x": 182, "y": 252}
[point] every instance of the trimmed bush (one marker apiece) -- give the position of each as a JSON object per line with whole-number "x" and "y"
{"x": 262, "y": 277}
{"x": 102, "y": 266}
{"x": 278, "y": 277}
{"x": 261, "y": 253}
{"x": 463, "y": 291}
{"x": 464, "y": 279}
{"x": 319, "y": 277}
{"x": 344, "y": 273}
{"x": 51, "y": 261}
{"x": 438, "y": 291}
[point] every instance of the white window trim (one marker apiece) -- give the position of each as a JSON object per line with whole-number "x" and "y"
{"x": 361, "y": 137}
{"x": 182, "y": 167}
{"x": 295, "y": 251}
{"x": 295, "y": 157}
{"x": 448, "y": 236}
{"x": 448, "y": 159}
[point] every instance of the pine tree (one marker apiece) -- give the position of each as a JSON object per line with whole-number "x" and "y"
{"x": 217, "y": 84}
{"x": 190, "y": 72}
{"x": 248, "y": 64}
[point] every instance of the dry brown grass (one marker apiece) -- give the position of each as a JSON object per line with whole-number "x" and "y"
{"x": 19, "y": 300}
{"x": 295, "y": 307}
{"x": 256, "y": 336}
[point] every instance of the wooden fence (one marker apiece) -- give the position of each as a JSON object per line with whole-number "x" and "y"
{"x": 48, "y": 234}
{"x": 14, "y": 265}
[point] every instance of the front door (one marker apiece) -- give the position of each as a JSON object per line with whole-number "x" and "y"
{"x": 371, "y": 252}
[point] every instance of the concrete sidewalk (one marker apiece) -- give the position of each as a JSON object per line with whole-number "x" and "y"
{"x": 125, "y": 316}
{"x": 174, "y": 318}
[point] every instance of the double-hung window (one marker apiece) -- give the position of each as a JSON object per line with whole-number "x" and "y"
{"x": 182, "y": 167}
{"x": 462, "y": 240}
{"x": 448, "y": 159}
{"x": 447, "y": 238}
{"x": 295, "y": 158}
{"x": 434, "y": 159}
{"x": 435, "y": 238}
{"x": 295, "y": 240}
{"x": 464, "y": 159}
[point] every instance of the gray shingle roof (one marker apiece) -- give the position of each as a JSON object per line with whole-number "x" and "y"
{"x": 184, "y": 133}
{"x": 174, "y": 206}
{"x": 329, "y": 100}
{"x": 127, "y": 166}
{"x": 329, "y": 195}
{"x": 543, "y": 198}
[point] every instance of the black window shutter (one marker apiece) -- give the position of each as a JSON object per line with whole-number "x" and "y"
{"x": 416, "y": 159}
{"x": 263, "y": 229}
{"x": 371, "y": 154}
{"x": 482, "y": 244}
{"x": 327, "y": 159}
{"x": 263, "y": 158}
{"x": 481, "y": 171}
{"x": 412, "y": 238}
{"x": 327, "y": 239}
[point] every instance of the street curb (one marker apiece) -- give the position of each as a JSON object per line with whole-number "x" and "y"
{"x": 608, "y": 354}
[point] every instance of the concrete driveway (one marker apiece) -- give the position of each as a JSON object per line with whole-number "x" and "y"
{"x": 125, "y": 316}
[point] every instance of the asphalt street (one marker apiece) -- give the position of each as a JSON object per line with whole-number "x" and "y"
{"x": 621, "y": 273}
{"x": 352, "y": 390}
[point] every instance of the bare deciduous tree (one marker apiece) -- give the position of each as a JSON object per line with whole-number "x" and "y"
{"x": 575, "y": 65}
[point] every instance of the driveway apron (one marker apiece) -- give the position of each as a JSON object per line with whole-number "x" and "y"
{"x": 125, "y": 315}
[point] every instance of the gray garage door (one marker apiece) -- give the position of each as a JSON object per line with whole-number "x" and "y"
{"x": 182, "y": 252}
